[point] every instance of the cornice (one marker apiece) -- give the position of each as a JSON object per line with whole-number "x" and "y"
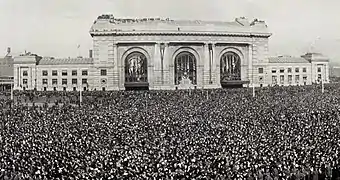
{"x": 134, "y": 33}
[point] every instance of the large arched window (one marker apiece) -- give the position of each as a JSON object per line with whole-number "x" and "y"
{"x": 185, "y": 68}
{"x": 230, "y": 67}
{"x": 136, "y": 68}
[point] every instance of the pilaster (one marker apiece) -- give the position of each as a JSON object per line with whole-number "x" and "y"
{"x": 116, "y": 74}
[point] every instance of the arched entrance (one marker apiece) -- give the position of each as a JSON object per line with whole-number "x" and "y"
{"x": 136, "y": 71}
{"x": 230, "y": 70}
{"x": 185, "y": 69}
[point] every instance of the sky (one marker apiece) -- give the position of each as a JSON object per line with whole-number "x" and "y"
{"x": 56, "y": 27}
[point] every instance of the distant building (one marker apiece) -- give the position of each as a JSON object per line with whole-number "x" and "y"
{"x": 6, "y": 71}
{"x": 154, "y": 53}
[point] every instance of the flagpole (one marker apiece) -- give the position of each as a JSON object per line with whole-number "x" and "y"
{"x": 12, "y": 98}
{"x": 80, "y": 96}
{"x": 207, "y": 95}
{"x": 322, "y": 79}
{"x": 78, "y": 50}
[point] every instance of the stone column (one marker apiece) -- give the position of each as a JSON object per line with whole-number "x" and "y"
{"x": 250, "y": 63}
{"x": 206, "y": 65}
{"x": 116, "y": 75}
{"x": 157, "y": 66}
{"x": 166, "y": 61}
{"x": 171, "y": 69}
{"x": 121, "y": 70}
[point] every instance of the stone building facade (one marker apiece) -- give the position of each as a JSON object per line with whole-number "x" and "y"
{"x": 153, "y": 53}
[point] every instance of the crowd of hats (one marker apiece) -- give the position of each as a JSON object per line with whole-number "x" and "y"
{"x": 282, "y": 133}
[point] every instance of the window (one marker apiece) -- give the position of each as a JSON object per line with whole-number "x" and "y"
{"x": 74, "y": 72}
{"x": 319, "y": 77}
{"x": 289, "y": 70}
{"x": 64, "y": 88}
{"x": 290, "y": 79}
{"x": 74, "y": 81}
{"x": 84, "y": 81}
{"x": 260, "y": 70}
{"x": 54, "y": 73}
{"x": 274, "y": 79}
{"x": 44, "y": 81}
{"x": 24, "y": 81}
{"x": 25, "y": 73}
{"x": 64, "y": 73}
{"x": 319, "y": 69}
{"x": 54, "y": 81}
{"x": 297, "y": 79}
{"x": 304, "y": 69}
{"x": 304, "y": 78}
{"x": 84, "y": 72}
{"x": 282, "y": 79}
{"x": 64, "y": 81}
{"x": 273, "y": 71}
{"x": 297, "y": 70}
{"x": 45, "y": 73}
{"x": 103, "y": 72}
{"x": 282, "y": 70}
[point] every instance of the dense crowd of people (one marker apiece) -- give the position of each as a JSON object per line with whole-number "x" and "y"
{"x": 282, "y": 133}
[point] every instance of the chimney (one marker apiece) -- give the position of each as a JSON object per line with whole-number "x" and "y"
{"x": 90, "y": 53}
{"x": 8, "y": 50}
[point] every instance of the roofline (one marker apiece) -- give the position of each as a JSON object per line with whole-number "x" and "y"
{"x": 172, "y": 33}
{"x": 289, "y": 62}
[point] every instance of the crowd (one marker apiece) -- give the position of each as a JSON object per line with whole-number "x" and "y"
{"x": 282, "y": 133}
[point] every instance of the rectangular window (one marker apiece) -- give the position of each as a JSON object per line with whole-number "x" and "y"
{"x": 54, "y": 73}
{"x": 290, "y": 79}
{"x": 103, "y": 72}
{"x": 74, "y": 72}
{"x": 282, "y": 79}
{"x": 289, "y": 70}
{"x": 297, "y": 70}
{"x": 84, "y": 72}
{"x": 64, "y": 72}
{"x": 54, "y": 81}
{"x": 44, "y": 81}
{"x": 84, "y": 81}
{"x": 304, "y": 78}
{"x": 297, "y": 79}
{"x": 260, "y": 70}
{"x": 319, "y": 77}
{"x": 282, "y": 70}
{"x": 24, "y": 81}
{"x": 74, "y": 81}
{"x": 45, "y": 73}
{"x": 273, "y": 71}
{"x": 274, "y": 79}
{"x": 25, "y": 73}
{"x": 304, "y": 69}
{"x": 64, "y": 81}
{"x": 319, "y": 69}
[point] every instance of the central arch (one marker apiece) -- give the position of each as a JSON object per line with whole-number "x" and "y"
{"x": 185, "y": 68}
{"x": 136, "y": 71}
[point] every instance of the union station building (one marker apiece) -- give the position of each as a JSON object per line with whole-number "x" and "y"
{"x": 154, "y": 53}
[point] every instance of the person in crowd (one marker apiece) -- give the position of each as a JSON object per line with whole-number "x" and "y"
{"x": 282, "y": 133}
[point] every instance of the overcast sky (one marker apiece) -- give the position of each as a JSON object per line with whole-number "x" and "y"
{"x": 55, "y": 27}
